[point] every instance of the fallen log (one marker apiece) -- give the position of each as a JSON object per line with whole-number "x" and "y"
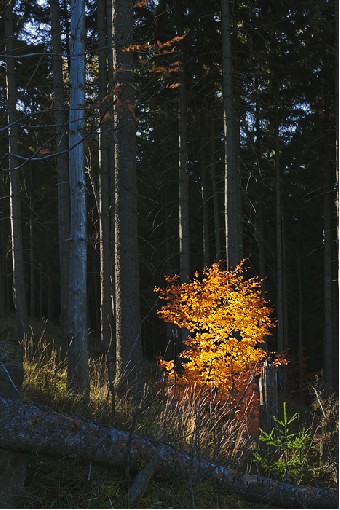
{"x": 28, "y": 428}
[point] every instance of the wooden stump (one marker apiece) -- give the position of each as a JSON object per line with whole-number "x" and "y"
{"x": 268, "y": 396}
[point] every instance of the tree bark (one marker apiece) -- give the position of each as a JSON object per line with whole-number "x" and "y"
{"x": 32, "y": 246}
{"x": 128, "y": 335}
{"x": 204, "y": 195}
{"x": 183, "y": 189}
{"x": 104, "y": 186}
{"x": 19, "y": 293}
{"x": 78, "y": 371}
{"x": 279, "y": 252}
{"x": 259, "y": 218}
{"x": 28, "y": 428}
{"x": 327, "y": 261}
{"x": 62, "y": 170}
{"x": 231, "y": 178}
{"x": 217, "y": 233}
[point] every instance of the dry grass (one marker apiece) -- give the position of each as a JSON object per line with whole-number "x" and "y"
{"x": 191, "y": 423}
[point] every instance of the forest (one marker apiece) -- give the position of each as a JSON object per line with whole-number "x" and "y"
{"x": 169, "y": 218}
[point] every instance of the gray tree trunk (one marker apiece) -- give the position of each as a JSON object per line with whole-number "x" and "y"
{"x": 78, "y": 371}
{"x": 28, "y": 428}
{"x": 19, "y": 293}
{"x": 231, "y": 179}
{"x": 62, "y": 170}
{"x": 128, "y": 338}
{"x": 183, "y": 189}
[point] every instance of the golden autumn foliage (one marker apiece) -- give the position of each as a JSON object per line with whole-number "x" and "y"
{"x": 227, "y": 318}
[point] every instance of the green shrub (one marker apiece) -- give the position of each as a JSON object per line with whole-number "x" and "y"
{"x": 286, "y": 454}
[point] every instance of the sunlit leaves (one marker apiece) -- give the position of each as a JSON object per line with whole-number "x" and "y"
{"x": 227, "y": 318}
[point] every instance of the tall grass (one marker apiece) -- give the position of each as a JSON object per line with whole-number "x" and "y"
{"x": 193, "y": 422}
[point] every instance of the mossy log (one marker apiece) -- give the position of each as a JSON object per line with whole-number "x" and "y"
{"x": 28, "y": 428}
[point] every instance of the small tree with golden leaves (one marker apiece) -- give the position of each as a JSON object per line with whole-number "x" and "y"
{"x": 227, "y": 318}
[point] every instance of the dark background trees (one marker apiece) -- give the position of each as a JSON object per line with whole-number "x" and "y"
{"x": 282, "y": 111}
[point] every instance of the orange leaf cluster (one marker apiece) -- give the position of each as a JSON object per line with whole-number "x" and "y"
{"x": 227, "y": 318}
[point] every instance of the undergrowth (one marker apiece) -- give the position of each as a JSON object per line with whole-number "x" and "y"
{"x": 190, "y": 424}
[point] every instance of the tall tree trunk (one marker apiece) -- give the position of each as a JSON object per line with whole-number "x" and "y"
{"x": 4, "y": 225}
{"x": 327, "y": 260}
{"x": 3, "y": 286}
{"x": 19, "y": 294}
{"x": 236, "y": 84}
{"x": 259, "y": 220}
{"x": 300, "y": 321}
{"x": 41, "y": 287}
{"x": 32, "y": 251}
{"x": 217, "y": 232}
{"x": 231, "y": 199}
{"x": 204, "y": 194}
{"x": 78, "y": 371}
{"x": 128, "y": 334}
{"x": 279, "y": 252}
{"x": 106, "y": 189}
{"x": 284, "y": 282}
{"x": 104, "y": 186}
{"x": 62, "y": 170}
{"x": 183, "y": 211}
{"x": 111, "y": 357}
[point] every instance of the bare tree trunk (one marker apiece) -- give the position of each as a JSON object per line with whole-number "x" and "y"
{"x": 78, "y": 371}
{"x": 279, "y": 253}
{"x": 327, "y": 258}
{"x": 3, "y": 253}
{"x": 204, "y": 195}
{"x": 28, "y": 428}
{"x": 62, "y": 171}
{"x": 184, "y": 235}
{"x": 236, "y": 140}
{"x": 2, "y": 276}
{"x": 104, "y": 186}
{"x": 128, "y": 335}
{"x": 32, "y": 252}
{"x": 336, "y": 67}
{"x": 300, "y": 322}
{"x": 111, "y": 355}
{"x": 231, "y": 179}
{"x": 19, "y": 293}
{"x": 41, "y": 287}
{"x": 284, "y": 282}
{"x": 259, "y": 220}
{"x": 217, "y": 228}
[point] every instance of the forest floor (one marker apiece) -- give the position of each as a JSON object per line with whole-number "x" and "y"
{"x": 66, "y": 483}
